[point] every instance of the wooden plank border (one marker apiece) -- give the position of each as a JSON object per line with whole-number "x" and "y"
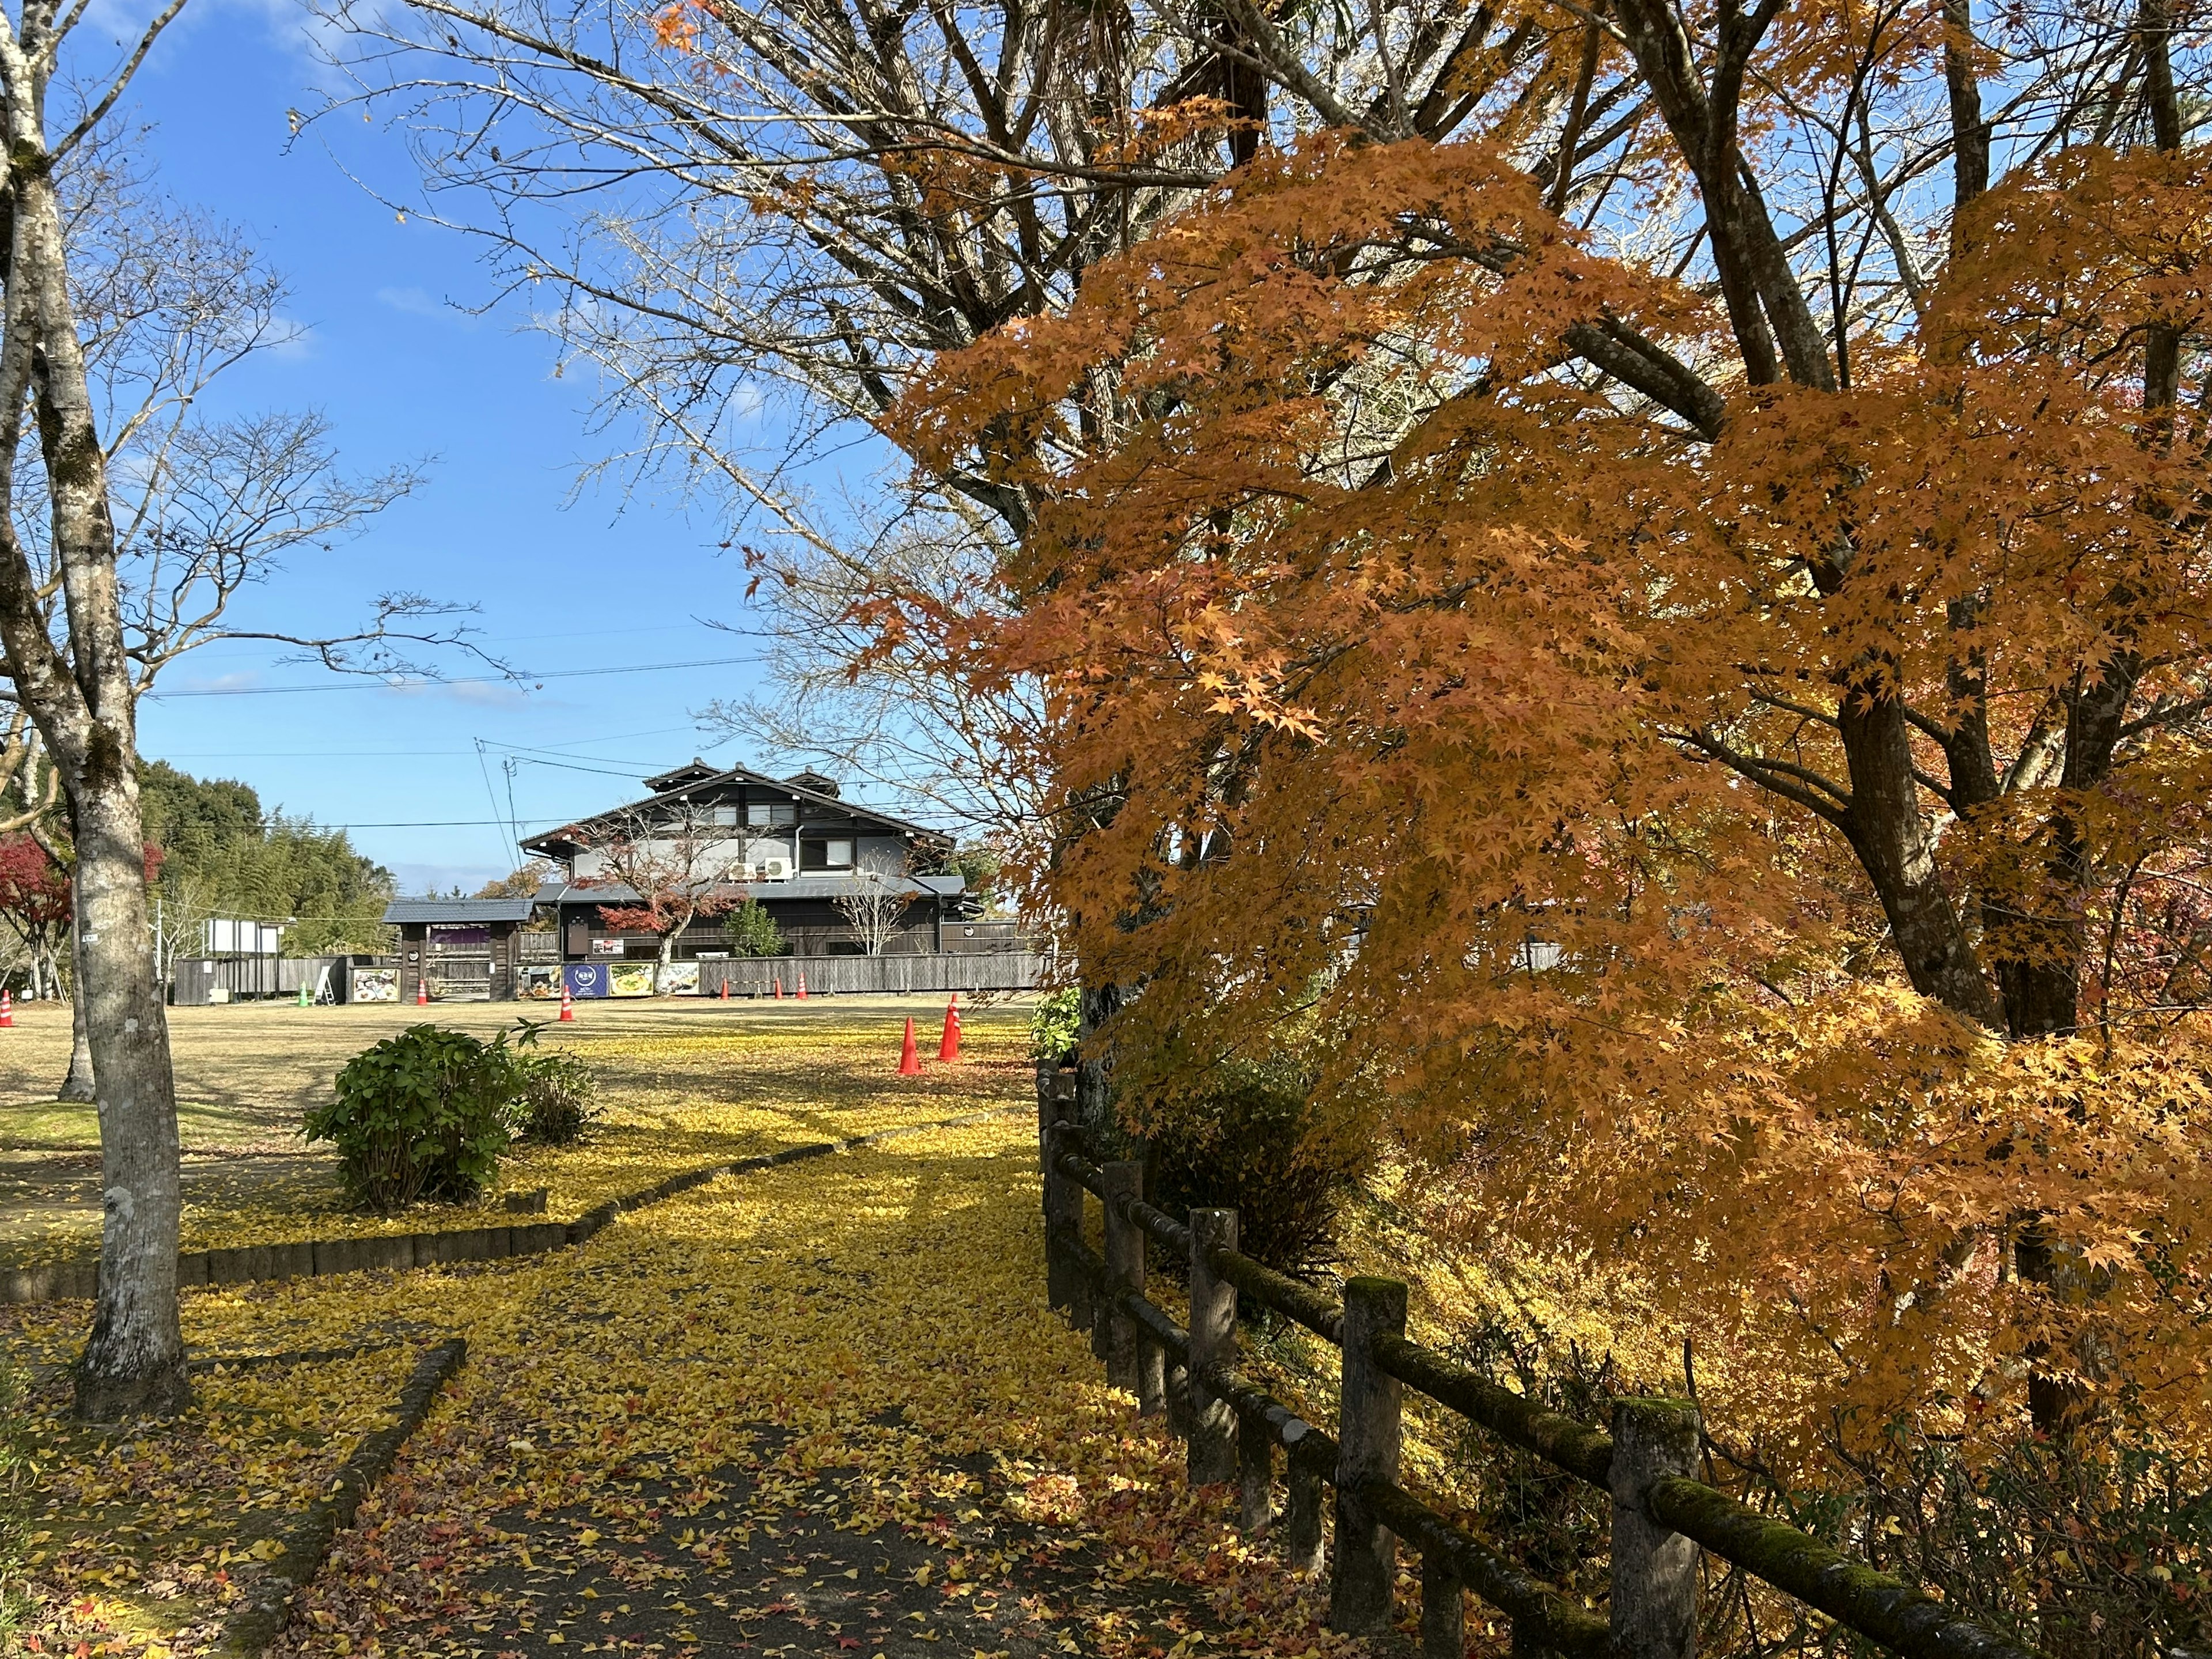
{"x": 249, "y": 1631}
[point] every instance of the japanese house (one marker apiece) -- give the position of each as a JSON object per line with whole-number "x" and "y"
{"x": 793, "y": 845}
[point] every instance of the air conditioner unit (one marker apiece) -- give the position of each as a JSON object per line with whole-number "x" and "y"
{"x": 776, "y": 869}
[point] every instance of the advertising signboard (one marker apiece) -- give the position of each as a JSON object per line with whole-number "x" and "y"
{"x": 539, "y": 981}
{"x": 374, "y": 985}
{"x": 585, "y": 979}
{"x": 629, "y": 979}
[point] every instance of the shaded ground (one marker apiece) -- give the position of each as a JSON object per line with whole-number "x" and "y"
{"x": 774, "y": 1568}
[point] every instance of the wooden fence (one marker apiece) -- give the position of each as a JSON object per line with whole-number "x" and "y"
{"x": 1662, "y": 1516}
{"x": 996, "y": 970}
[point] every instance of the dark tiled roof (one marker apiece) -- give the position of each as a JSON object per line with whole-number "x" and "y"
{"x": 568, "y": 833}
{"x": 462, "y": 910}
{"x": 797, "y": 887}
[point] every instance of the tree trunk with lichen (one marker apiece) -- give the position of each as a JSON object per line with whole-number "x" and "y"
{"x": 133, "y": 1363}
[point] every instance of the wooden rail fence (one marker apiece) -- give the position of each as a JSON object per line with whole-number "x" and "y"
{"x": 1662, "y": 1516}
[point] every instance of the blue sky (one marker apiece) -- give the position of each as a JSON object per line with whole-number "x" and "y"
{"x": 566, "y": 582}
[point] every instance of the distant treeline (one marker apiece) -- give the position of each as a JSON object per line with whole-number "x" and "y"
{"x": 223, "y": 856}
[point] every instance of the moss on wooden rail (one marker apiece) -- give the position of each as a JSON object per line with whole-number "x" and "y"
{"x": 1882, "y": 1608}
{"x": 1858, "y": 1596}
{"x": 1575, "y": 1447}
{"x": 1538, "y": 1610}
{"x": 1563, "y": 1628}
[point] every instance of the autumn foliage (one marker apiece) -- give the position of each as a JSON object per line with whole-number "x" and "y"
{"x": 1676, "y": 804}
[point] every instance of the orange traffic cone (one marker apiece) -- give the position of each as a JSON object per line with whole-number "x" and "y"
{"x": 948, "y": 1047}
{"x": 779, "y": 987}
{"x": 725, "y": 990}
{"x": 909, "y": 1061}
{"x": 421, "y": 992}
{"x": 7, "y": 1009}
{"x": 568, "y": 1004}
{"x": 802, "y": 985}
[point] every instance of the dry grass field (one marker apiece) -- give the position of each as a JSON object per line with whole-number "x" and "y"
{"x": 685, "y": 1082}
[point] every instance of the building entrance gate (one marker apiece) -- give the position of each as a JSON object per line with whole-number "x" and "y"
{"x": 456, "y": 962}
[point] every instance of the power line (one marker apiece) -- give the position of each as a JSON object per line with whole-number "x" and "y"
{"x": 412, "y": 685}
{"x": 416, "y": 753}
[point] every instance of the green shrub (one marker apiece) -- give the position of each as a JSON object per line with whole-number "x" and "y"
{"x": 551, "y": 1096}
{"x": 422, "y": 1114}
{"x": 752, "y": 932}
{"x": 1056, "y": 1024}
{"x": 1249, "y": 1138}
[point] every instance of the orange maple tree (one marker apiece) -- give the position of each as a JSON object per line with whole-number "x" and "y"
{"x": 1718, "y": 767}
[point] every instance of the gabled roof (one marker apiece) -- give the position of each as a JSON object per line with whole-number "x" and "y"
{"x": 461, "y": 910}
{"x": 693, "y": 780}
{"x": 683, "y": 776}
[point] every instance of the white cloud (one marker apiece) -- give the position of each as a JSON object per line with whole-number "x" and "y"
{"x": 290, "y": 340}
{"x": 482, "y": 694}
{"x": 412, "y": 301}
{"x": 243, "y": 678}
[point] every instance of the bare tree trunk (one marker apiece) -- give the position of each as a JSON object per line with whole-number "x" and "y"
{"x": 134, "y": 1362}
{"x": 83, "y": 704}
{"x": 79, "y": 1084}
{"x": 1886, "y": 831}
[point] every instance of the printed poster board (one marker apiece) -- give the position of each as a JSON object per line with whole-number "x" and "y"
{"x": 374, "y": 985}
{"x": 539, "y": 981}
{"x": 608, "y": 947}
{"x": 629, "y": 979}
{"x": 585, "y": 979}
{"x": 679, "y": 979}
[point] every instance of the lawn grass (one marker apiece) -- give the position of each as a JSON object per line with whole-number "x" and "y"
{"x": 685, "y": 1082}
{"x": 143, "y": 1541}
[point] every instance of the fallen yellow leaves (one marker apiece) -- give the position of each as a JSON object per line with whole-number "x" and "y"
{"x": 817, "y": 1412}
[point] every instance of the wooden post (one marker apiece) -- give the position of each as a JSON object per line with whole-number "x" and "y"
{"x": 1301, "y": 1550}
{"x": 1655, "y": 1571}
{"x": 1151, "y": 1377}
{"x": 1255, "y": 1476}
{"x": 1125, "y": 1266}
{"x": 1443, "y": 1611}
{"x": 1063, "y": 1203}
{"x": 1213, "y": 1342}
{"x": 1101, "y": 1317}
{"x": 1360, "y": 1589}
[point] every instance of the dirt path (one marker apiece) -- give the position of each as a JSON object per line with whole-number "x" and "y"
{"x": 819, "y": 1412}
{"x": 815, "y": 1412}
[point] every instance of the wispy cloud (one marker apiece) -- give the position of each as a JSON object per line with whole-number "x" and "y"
{"x": 225, "y": 681}
{"x": 482, "y": 694}
{"x": 412, "y": 301}
{"x": 291, "y": 340}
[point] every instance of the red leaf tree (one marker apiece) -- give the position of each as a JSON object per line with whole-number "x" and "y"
{"x": 679, "y": 863}
{"x": 34, "y": 901}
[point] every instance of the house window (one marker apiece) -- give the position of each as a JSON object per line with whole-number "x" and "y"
{"x": 825, "y": 855}
{"x": 726, "y": 818}
{"x": 771, "y": 814}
